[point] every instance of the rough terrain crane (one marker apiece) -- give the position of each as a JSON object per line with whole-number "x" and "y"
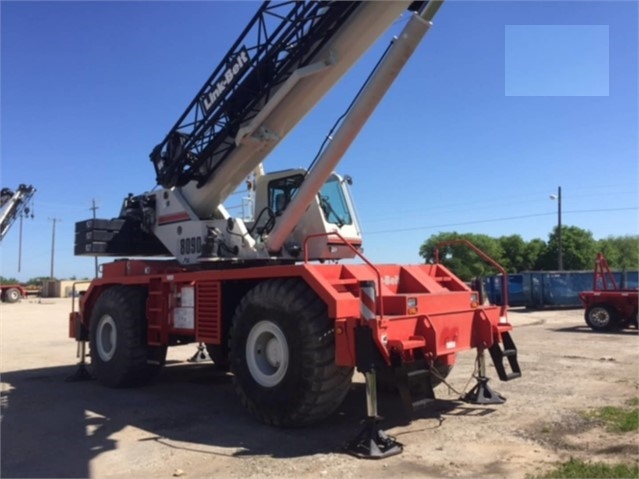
{"x": 12, "y": 205}
{"x": 268, "y": 296}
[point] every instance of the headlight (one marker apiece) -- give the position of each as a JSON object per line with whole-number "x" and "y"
{"x": 474, "y": 300}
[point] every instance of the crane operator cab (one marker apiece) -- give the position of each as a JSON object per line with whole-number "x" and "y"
{"x": 331, "y": 211}
{"x": 164, "y": 217}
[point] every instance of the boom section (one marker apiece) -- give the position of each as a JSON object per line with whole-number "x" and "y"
{"x": 288, "y": 57}
{"x": 278, "y": 40}
{"x": 12, "y": 204}
{"x": 360, "y": 110}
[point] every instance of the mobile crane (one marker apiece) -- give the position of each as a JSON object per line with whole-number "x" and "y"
{"x": 12, "y": 205}
{"x": 268, "y": 297}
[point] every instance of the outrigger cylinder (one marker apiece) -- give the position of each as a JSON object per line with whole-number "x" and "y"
{"x": 381, "y": 80}
{"x": 371, "y": 442}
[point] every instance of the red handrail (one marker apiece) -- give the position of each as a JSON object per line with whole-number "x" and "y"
{"x": 380, "y": 300}
{"x": 485, "y": 257}
{"x": 603, "y": 273}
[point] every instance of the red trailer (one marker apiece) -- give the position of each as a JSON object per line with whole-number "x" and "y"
{"x": 10, "y": 293}
{"x": 607, "y": 305}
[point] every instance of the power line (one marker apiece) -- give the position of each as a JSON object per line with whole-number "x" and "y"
{"x": 494, "y": 220}
{"x": 475, "y": 206}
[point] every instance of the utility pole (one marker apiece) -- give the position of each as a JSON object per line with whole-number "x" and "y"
{"x": 20, "y": 245}
{"x": 560, "y": 254}
{"x": 24, "y": 213}
{"x": 54, "y": 220}
{"x": 95, "y": 258}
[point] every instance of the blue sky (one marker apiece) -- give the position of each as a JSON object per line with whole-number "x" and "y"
{"x": 502, "y": 103}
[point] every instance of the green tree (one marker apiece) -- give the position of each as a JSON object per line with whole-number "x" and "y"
{"x": 459, "y": 258}
{"x": 535, "y": 249}
{"x": 4, "y": 280}
{"x": 514, "y": 254}
{"x": 37, "y": 281}
{"x": 514, "y": 258}
{"x": 622, "y": 252}
{"x": 578, "y": 247}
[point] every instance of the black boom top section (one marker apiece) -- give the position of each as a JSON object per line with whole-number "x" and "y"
{"x": 280, "y": 38}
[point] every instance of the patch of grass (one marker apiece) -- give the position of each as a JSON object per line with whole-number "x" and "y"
{"x": 592, "y": 470}
{"x": 618, "y": 419}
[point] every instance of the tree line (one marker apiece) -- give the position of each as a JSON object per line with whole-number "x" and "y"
{"x": 579, "y": 250}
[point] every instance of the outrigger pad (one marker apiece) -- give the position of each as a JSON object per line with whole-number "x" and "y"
{"x": 81, "y": 374}
{"x": 200, "y": 355}
{"x": 482, "y": 393}
{"x": 373, "y": 443}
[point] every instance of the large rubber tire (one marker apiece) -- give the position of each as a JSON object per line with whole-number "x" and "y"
{"x": 601, "y": 317}
{"x": 11, "y": 295}
{"x": 282, "y": 353}
{"x": 120, "y": 356}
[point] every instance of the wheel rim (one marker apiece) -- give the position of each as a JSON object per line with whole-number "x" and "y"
{"x": 106, "y": 338}
{"x": 267, "y": 354}
{"x": 14, "y": 295}
{"x": 600, "y": 317}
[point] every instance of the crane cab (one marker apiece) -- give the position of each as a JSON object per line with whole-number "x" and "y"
{"x": 331, "y": 210}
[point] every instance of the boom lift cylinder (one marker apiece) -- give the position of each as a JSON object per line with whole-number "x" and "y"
{"x": 399, "y": 53}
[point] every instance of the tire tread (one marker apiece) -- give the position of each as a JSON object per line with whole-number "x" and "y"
{"x": 326, "y": 384}
{"x": 129, "y": 366}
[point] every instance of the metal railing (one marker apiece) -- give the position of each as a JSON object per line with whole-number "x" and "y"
{"x": 379, "y": 298}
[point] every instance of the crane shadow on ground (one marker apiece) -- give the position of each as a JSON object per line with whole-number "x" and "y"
{"x": 54, "y": 428}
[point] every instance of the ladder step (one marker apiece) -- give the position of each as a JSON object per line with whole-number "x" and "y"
{"x": 510, "y": 353}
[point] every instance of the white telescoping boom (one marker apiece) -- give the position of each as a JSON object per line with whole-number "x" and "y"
{"x": 12, "y": 204}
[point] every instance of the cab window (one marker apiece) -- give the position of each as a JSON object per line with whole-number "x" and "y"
{"x": 333, "y": 203}
{"x": 281, "y": 191}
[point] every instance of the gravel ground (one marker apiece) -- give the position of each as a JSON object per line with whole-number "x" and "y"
{"x": 189, "y": 422}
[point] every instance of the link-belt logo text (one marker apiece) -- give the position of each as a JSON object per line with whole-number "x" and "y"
{"x": 232, "y": 72}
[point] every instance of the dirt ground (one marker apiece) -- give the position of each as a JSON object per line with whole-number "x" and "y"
{"x": 189, "y": 423}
